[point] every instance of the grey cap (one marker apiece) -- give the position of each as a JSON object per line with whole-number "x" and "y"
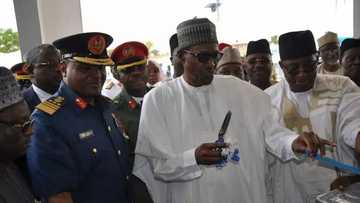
{"x": 195, "y": 32}
{"x": 10, "y": 92}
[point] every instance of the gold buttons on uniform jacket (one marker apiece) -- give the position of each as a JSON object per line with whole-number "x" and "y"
{"x": 109, "y": 128}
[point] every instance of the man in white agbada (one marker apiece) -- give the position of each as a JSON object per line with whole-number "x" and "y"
{"x": 350, "y": 61}
{"x": 329, "y": 52}
{"x": 328, "y": 105}
{"x": 176, "y": 151}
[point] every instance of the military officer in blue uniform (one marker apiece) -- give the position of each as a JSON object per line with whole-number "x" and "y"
{"x": 77, "y": 153}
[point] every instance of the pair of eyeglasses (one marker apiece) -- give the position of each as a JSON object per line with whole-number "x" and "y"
{"x": 47, "y": 64}
{"x": 307, "y": 67}
{"x": 205, "y": 57}
{"x": 24, "y": 127}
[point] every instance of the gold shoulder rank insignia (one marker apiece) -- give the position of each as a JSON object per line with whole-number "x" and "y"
{"x": 51, "y": 105}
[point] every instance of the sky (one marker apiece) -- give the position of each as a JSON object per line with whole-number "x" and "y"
{"x": 239, "y": 20}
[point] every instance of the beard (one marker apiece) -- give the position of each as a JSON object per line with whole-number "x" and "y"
{"x": 203, "y": 76}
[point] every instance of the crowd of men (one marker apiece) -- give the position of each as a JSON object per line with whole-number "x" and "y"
{"x": 72, "y": 136}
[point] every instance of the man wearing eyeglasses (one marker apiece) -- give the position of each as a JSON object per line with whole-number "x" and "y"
{"x": 328, "y": 105}
{"x": 258, "y": 63}
{"x": 177, "y": 155}
{"x": 44, "y": 64}
{"x": 77, "y": 153}
{"x": 130, "y": 60}
{"x": 15, "y": 132}
{"x": 329, "y": 52}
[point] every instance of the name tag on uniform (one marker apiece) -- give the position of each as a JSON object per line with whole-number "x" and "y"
{"x": 86, "y": 134}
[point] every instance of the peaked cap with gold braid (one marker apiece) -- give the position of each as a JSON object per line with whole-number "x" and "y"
{"x": 87, "y": 48}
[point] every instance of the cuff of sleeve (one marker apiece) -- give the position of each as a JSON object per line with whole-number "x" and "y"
{"x": 288, "y": 153}
{"x": 189, "y": 158}
{"x": 351, "y": 140}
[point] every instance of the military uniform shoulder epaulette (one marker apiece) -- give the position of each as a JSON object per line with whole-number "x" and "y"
{"x": 51, "y": 105}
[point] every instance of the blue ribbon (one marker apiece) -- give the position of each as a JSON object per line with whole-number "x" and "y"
{"x": 334, "y": 163}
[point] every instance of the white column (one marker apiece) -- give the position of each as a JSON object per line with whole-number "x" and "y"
{"x": 43, "y": 21}
{"x": 27, "y": 20}
{"x": 356, "y": 18}
{"x": 59, "y": 18}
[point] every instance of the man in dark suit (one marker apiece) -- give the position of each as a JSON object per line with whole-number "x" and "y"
{"x": 44, "y": 63}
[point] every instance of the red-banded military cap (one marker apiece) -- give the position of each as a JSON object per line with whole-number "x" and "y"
{"x": 129, "y": 54}
{"x": 19, "y": 71}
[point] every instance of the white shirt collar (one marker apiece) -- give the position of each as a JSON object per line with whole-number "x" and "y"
{"x": 43, "y": 96}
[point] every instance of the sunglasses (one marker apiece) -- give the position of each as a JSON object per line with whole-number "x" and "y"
{"x": 294, "y": 68}
{"x": 204, "y": 57}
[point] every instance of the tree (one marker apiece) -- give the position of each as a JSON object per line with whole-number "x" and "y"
{"x": 274, "y": 39}
{"x": 152, "y": 51}
{"x": 9, "y": 41}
